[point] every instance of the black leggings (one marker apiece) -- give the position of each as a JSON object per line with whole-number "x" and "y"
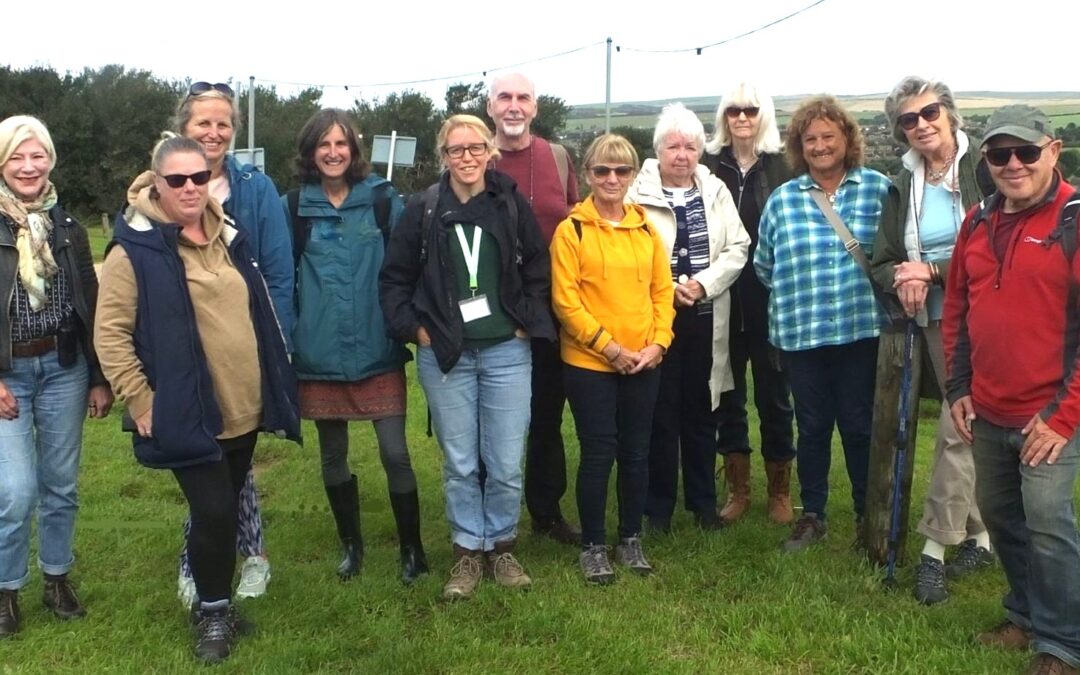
{"x": 393, "y": 451}
{"x": 212, "y": 490}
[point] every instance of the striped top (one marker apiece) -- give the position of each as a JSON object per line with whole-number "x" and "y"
{"x": 26, "y": 324}
{"x": 690, "y": 252}
{"x": 820, "y": 296}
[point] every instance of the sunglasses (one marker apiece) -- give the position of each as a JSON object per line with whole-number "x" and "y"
{"x": 602, "y": 171}
{"x": 909, "y": 121}
{"x": 179, "y": 180}
{"x": 733, "y": 111}
{"x": 1027, "y": 154}
{"x": 203, "y": 87}
{"x": 458, "y": 151}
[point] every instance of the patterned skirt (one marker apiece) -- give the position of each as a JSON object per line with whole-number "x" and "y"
{"x": 376, "y": 398}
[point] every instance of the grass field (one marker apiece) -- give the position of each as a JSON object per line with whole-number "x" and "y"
{"x": 726, "y": 602}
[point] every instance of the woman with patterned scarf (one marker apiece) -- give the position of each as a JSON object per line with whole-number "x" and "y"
{"x": 49, "y": 374}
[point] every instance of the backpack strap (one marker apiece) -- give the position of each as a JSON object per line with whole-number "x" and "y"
{"x": 301, "y": 226}
{"x": 562, "y": 164}
{"x": 382, "y": 210}
{"x": 431, "y": 198}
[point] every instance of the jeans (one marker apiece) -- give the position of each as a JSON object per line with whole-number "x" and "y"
{"x": 613, "y": 415}
{"x": 772, "y": 398}
{"x": 39, "y": 465}
{"x": 480, "y": 411}
{"x": 1031, "y": 519}
{"x": 212, "y": 490}
{"x": 545, "y": 454}
{"x": 832, "y": 385}
{"x": 683, "y": 421}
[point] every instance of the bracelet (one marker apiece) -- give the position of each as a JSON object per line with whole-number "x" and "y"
{"x": 612, "y": 359}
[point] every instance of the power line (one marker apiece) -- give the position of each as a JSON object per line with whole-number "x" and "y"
{"x": 481, "y": 73}
{"x": 698, "y": 50}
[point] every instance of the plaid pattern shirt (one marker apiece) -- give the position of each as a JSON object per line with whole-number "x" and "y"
{"x": 819, "y": 294}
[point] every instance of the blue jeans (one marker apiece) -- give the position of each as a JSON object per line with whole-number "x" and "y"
{"x": 1030, "y": 515}
{"x": 480, "y": 411}
{"x": 832, "y": 385}
{"x": 39, "y": 465}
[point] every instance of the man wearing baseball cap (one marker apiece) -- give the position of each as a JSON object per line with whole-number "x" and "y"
{"x": 1011, "y": 327}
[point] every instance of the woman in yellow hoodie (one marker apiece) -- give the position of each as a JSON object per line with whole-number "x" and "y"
{"x": 612, "y": 293}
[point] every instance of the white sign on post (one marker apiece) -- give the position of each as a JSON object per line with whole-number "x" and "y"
{"x": 401, "y": 148}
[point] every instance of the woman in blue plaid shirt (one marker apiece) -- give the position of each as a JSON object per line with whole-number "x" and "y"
{"x": 823, "y": 315}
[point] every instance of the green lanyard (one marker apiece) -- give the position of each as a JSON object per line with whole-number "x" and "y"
{"x": 471, "y": 254}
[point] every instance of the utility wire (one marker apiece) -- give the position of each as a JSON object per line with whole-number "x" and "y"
{"x": 698, "y": 50}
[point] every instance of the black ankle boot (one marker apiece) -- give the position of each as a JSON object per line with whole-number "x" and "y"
{"x": 407, "y": 514}
{"x": 345, "y": 504}
{"x": 9, "y": 613}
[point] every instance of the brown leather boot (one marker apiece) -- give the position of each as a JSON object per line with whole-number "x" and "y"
{"x": 737, "y": 474}
{"x": 779, "y": 507}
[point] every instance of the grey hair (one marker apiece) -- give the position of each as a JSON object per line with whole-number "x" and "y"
{"x": 747, "y": 94}
{"x": 676, "y": 118}
{"x": 912, "y": 86}
{"x": 496, "y": 79}
{"x": 172, "y": 144}
{"x": 184, "y": 111}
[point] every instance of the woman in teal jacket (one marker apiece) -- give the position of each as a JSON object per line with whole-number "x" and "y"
{"x": 349, "y": 368}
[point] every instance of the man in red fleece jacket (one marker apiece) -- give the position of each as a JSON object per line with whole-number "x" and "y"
{"x": 1012, "y": 326}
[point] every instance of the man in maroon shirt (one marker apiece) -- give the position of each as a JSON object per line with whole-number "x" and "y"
{"x": 545, "y": 176}
{"x": 1011, "y": 334}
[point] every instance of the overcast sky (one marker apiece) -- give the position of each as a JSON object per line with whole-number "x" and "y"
{"x": 838, "y": 46}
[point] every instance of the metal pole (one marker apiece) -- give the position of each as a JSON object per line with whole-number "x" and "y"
{"x": 607, "y": 96}
{"x": 251, "y": 115}
{"x": 390, "y": 162}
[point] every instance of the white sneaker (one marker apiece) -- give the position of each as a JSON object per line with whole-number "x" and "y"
{"x": 185, "y": 590}
{"x": 254, "y": 576}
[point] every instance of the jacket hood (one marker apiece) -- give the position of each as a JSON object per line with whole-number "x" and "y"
{"x": 633, "y": 215}
{"x": 144, "y": 209}
{"x": 648, "y": 187}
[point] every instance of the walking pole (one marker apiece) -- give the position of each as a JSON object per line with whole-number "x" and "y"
{"x": 901, "y": 451}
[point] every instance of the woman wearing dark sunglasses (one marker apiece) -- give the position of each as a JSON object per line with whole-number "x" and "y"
{"x": 939, "y": 182}
{"x": 208, "y": 115}
{"x": 612, "y": 294}
{"x": 745, "y": 153}
{"x": 467, "y": 278}
{"x": 199, "y": 359}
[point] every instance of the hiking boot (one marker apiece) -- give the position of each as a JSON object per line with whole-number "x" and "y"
{"x": 60, "y": 597}
{"x": 658, "y": 524}
{"x": 930, "y": 581}
{"x": 858, "y": 544}
{"x": 465, "y": 575}
{"x": 709, "y": 520}
{"x": 779, "y": 507}
{"x": 629, "y": 553}
{"x": 737, "y": 476}
{"x": 254, "y": 576}
{"x": 596, "y": 566}
{"x": 970, "y": 557}
{"x": 1048, "y": 664}
{"x": 241, "y": 625}
{"x": 808, "y": 531}
{"x": 9, "y": 613}
{"x": 558, "y": 529}
{"x": 504, "y": 567}
{"x": 213, "y": 636}
{"x": 1006, "y": 635}
{"x": 186, "y": 592}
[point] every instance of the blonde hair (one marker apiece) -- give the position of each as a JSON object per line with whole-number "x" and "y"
{"x": 611, "y": 147}
{"x": 16, "y": 130}
{"x": 469, "y": 121}
{"x": 746, "y": 94}
{"x": 184, "y": 110}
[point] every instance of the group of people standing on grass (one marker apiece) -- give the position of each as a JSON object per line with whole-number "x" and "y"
{"x": 225, "y": 310}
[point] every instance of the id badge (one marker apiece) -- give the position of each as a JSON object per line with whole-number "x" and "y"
{"x": 474, "y": 308}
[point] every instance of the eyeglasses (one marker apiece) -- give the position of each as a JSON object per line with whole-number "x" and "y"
{"x": 909, "y": 121}
{"x": 458, "y": 151}
{"x": 179, "y": 180}
{"x": 203, "y": 87}
{"x": 733, "y": 111}
{"x": 602, "y": 171}
{"x": 1027, "y": 154}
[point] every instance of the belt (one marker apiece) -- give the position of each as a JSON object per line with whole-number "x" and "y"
{"x": 35, "y": 347}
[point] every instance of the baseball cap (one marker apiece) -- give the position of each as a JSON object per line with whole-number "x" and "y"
{"x": 1022, "y": 121}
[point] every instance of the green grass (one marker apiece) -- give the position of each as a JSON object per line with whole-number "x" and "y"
{"x": 722, "y": 602}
